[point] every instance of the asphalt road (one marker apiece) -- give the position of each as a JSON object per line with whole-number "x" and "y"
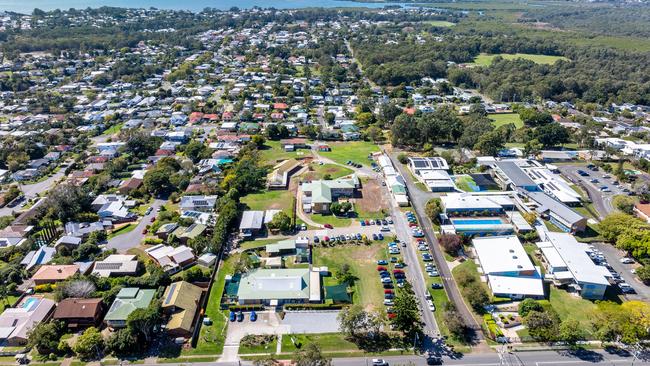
{"x": 133, "y": 238}
{"x": 418, "y": 200}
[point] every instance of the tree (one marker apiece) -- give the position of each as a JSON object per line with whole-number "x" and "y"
{"x": 451, "y": 243}
{"x": 65, "y": 202}
{"x": 571, "y": 332}
{"x": 532, "y": 117}
{"x": 139, "y": 143}
{"x": 542, "y": 326}
{"x": 612, "y": 226}
{"x": 644, "y": 274}
{"x": 552, "y": 134}
{"x": 407, "y": 314}
{"x": 476, "y": 295}
{"x": 345, "y": 275}
{"x": 281, "y": 221}
{"x": 311, "y": 356}
{"x": 490, "y": 143}
{"x": 528, "y": 305}
{"x": 433, "y": 209}
{"x": 122, "y": 342}
{"x": 90, "y": 344}
{"x": 45, "y": 336}
{"x": 354, "y": 321}
{"x": 624, "y": 204}
{"x": 455, "y": 323}
{"x": 142, "y": 321}
{"x": 195, "y": 150}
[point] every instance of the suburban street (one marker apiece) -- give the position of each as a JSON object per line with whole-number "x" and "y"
{"x": 133, "y": 238}
{"x": 418, "y": 201}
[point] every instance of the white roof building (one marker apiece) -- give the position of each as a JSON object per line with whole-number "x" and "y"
{"x": 507, "y": 267}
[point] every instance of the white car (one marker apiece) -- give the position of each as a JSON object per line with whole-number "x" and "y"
{"x": 627, "y": 260}
{"x": 379, "y": 362}
{"x": 432, "y": 307}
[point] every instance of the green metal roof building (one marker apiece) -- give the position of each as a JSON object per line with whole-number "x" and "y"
{"x": 126, "y": 301}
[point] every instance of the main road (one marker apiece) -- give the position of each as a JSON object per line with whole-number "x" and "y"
{"x": 419, "y": 200}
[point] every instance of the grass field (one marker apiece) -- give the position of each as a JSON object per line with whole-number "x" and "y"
{"x": 7, "y": 302}
{"x": 355, "y": 151}
{"x": 485, "y": 60}
{"x": 439, "y": 23}
{"x": 571, "y": 307}
{"x": 501, "y": 119}
{"x": 113, "y": 129}
{"x": 273, "y": 153}
{"x": 363, "y": 262}
{"x": 331, "y": 219}
{"x": 277, "y": 199}
{"x": 319, "y": 171}
{"x": 328, "y": 342}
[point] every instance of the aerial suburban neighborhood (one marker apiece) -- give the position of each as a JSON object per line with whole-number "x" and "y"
{"x": 393, "y": 184}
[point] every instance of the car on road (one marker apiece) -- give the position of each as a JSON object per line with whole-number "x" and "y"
{"x": 379, "y": 362}
{"x": 153, "y": 219}
{"x": 328, "y": 226}
{"x": 144, "y": 231}
{"x": 436, "y": 286}
{"x": 148, "y": 211}
{"x": 434, "y": 360}
{"x": 432, "y": 307}
{"x": 594, "y": 180}
{"x": 627, "y": 260}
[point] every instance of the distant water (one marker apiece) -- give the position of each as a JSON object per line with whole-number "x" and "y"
{"x": 26, "y": 6}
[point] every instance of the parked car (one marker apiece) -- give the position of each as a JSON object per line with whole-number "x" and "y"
{"x": 379, "y": 362}
{"x": 374, "y": 237}
{"x": 328, "y": 226}
{"x": 627, "y": 260}
{"x": 382, "y": 262}
{"x": 316, "y": 240}
{"x": 400, "y": 265}
{"x": 240, "y": 316}
{"x": 253, "y": 316}
{"x": 380, "y": 236}
{"x": 386, "y": 280}
{"x": 233, "y": 316}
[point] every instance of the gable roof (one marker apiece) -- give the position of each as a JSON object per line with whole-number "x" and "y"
{"x": 184, "y": 297}
{"x": 127, "y": 300}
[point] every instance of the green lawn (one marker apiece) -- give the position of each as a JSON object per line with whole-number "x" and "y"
{"x": 113, "y": 129}
{"x": 319, "y": 171}
{"x": 266, "y": 200}
{"x": 328, "y": 342}
{"x": 123, "y": 230}
{"x": 440, "y": 23}
{"x": 7, "y": 302}
{"x": 571, "y": 307}
{"x": 465, "y": 182}
{"x": 485, "y": 60}
{"x": 212, "y": 337}
{"x": 273, "y": 153}
{"x": 500, "y": 119}
{"x": 331, "y": 219}
{"x": 355, "y": 151}
{"x": 363, "y": 262}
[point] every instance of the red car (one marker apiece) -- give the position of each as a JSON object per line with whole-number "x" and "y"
{"x": 380, "y": 268}
{"x": 153, "y": 219}
{"x": 391, "y": 315}
{"x": 388, "y": 291}
{"x": 144, "y": 231}
{"x": 398, "y": 271}
{"x": 326, "y": 238}
{"x": 329, "y": 226}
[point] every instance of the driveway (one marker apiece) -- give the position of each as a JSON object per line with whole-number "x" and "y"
{"x": 301, "y": 322}
{"x": 134, "y": 237}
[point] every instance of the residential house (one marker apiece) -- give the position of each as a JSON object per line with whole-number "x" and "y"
{"x": 15, "y": 323}
{"x": 127, "y": 301}
{"x": 42, "y": 255}
{"x": 14, "y": 235}
{"x": 171, "y": 259}
{"x": 181, "y": 302}
{"x": 251, "y": 223}
{"x": 79, "y": 313}
{"x": 198, "y": 203}
{"x": 54, "y": 273}
{"x": 319, "y": 195}
{"x": 116, "y": 265}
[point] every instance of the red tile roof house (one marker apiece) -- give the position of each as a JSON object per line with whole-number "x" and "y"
{"x": 54, "y": 273}
{"x": 280, "y": 106}
{"x": 642, "y": 211}
{"x": 212, "y": 117}
{"x": 196, "y": 117}
{"x": 129, "y": 185}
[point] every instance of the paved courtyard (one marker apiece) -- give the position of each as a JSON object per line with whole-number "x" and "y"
{"x": 311, "y": 322}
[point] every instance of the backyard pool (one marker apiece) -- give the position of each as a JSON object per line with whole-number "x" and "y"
{"x": 29, "y": 302}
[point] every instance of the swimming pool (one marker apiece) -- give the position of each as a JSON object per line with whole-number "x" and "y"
{"x": 29, "y": 302}
{"x": 477, "y": 222}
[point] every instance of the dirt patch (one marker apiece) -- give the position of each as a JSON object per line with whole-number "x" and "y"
{"x": 372, "y": 200}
